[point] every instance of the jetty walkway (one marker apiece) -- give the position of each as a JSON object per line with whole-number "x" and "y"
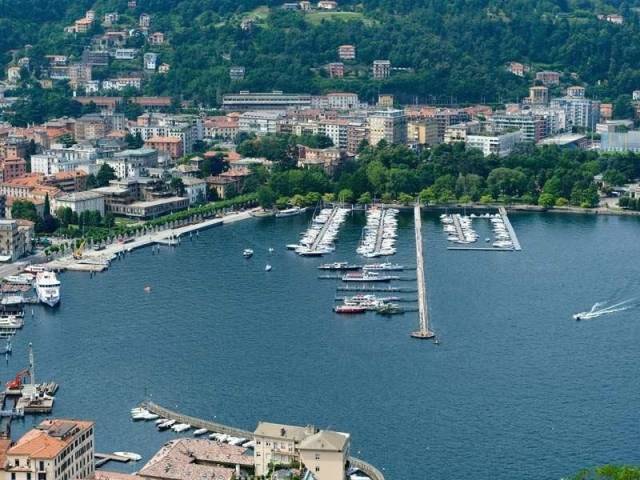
{"x": 512, "y": 232}
{"x": 324, "y": 229}
{"x": 217, "y": 427}
{"x": 423, "y": 331}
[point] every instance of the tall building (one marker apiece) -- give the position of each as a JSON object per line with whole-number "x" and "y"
{"x": 580, "y": 112}
{"x": 539, "y": 95}
{"x": 347, "y": 52}
{"x": 54, "y": 450}
{"x": 532, "y": 127}
{"x": 500, "y": 145}
{"x": 336, "y": 69}
{"x": 576, "y": 91}
{"x": 389, "y": 125}
{"x": 276, "y": 100}
{"x": 381, "y": 69}
{"x": 422, "y": 132}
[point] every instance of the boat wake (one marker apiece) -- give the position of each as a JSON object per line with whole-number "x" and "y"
{"x": 600, "y": 308}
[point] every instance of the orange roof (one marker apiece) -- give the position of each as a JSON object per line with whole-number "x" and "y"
{"x": 45, "y": 441}
{"x": 28, "y": 180}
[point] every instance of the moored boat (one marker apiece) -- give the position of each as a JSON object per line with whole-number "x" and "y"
{"x": 350, "y": 309}
{"x": 48, "y": 288}
{"x": 289, "y": 212}
{"x": 339, "y": 266}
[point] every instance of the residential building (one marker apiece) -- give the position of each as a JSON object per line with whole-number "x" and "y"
{"x": 150, "y": 61}
{"x": 548, "y": 77}
{"x": 500, "y": 145}
{"x": 277, "y": 443}
{"x": 79, "y": 74}
{"x": 228, "y": 183}
{"x": 13, "y": 74}
{"x": 305, "y": 5}
{"x": 445, "y": 117}
{"x": 276, "y": 100}
{"x": 80, "y": 202}
{"x": 144, "y": 21}
{"x": 356, "y": 134}
{"x": 189, "y": 128}
{"x": 422, "y": 132}
{"x": 95, "y": 58}
{"x": 327, "y": 5}
{"x": 170, "y": 145}
{"x": 337, "y": 130}
{"x": 460, "y": 131}
{"x": 132, "y": 163}
{"x": 121, "y": 83}
{"x": 83, "y": 25}
{"x": 62, "y": 159}
{"x": 576, "y": 91}
{"x": 381, "y": 69}
{"x": 389, "y": 125}
{"x": 612, "y": 18}
{"x": 538, "y": 95}
{"x": 91, "y": 127}
{"x": 580, "y": 112}
{"x": 259, "y": 122}
{"x": 532, "y": 126}
{"x": 14, "y": 243}
{"x": 110, "y": 18}
{"x": 635, "y": 95}
{"x": 12, "y": 168}
{"x": 195, "y": 189}
{"x": 325, "y": 454}
{"x": 164, "y": 68}
{"x": 236, "y": 73}
{"x": 517, "y": 68}
{"x": 290, "y": 6}
{"x": 606, "y": 111}
{"x": 226, "y": 128}
{"x": 55, "y": 450}
{"x": 385, "y": 100}
{"x": 335, "y": 70}
{"x": 611, "y": 126}
{"x": 347, "y": 52}
{"x": 156, "y": 38}
{"x": 329, "y": 159}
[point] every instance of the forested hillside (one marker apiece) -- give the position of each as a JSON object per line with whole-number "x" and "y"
{"x": 454, "y": 49}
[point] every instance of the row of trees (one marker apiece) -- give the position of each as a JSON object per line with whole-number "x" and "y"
{"x": 546, "y": 176}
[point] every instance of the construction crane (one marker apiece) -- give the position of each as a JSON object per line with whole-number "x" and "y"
{"x": 77, "y": 253}
{"x": 16, "y": 383}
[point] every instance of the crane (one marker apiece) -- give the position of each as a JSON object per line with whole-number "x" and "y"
{"x": 77, "y": 253}
{"x": 16, "y": 383}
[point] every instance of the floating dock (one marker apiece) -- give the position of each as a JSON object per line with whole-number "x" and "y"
{"x": 103, "y": 458}
{"x": 423, "y": 331}
{"x": 512, "y": 232}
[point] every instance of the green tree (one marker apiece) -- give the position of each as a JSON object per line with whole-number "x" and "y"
{"x": 346, "y": 196}
{"x": 266, "y": 197}
{"x": 365, "y": 199}
{"x": 177, "y": 186}
{"x": 105, "y": 174}
{"x": 546, "y": 200}
{"x": 24, "y": 209}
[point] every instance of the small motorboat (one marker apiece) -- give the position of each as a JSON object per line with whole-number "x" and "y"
{"x": 270, "y": 250}
{"x": 247, "y": 253}
{"x": 267, "y": 268}
{"x": 130, "y": 455}
{"x": 166, "y": 425}
{"x": 181, "y": 427}
{"x": 200, "y": 431}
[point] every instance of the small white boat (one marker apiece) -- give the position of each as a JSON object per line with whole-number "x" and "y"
{"x": 130, "y": 455}
{"x": 247, "y": 253}
{"x": 270, "y": 250}
{"x": 181, "y": 427}
{"x": 166, "y": 425}
{"x": 267, "y": 268}
{"x": 200, "y": 431}
{"x": 160, "y": 420}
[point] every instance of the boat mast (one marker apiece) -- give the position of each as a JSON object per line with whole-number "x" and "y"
{"x": 32, "y": 365}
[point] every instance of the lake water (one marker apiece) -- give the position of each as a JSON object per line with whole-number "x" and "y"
{"x": 517, "y": 389}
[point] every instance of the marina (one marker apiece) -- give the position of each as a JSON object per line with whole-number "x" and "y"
{"x": 380, "y": 233}
{"x": 459, "y": 230}
{"x": 320, "y": 236}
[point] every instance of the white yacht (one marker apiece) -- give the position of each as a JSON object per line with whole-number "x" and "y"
{"x": 48, "y": 288}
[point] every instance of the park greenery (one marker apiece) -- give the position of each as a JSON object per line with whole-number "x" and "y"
{"x": 450, "y": 50}
{"x": 449, "y": 173}
{"x": 609, "y": 472}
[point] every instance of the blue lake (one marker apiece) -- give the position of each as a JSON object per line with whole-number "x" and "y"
{"x": 517, "y": 389}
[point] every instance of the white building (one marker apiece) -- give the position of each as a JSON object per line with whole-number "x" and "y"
{"x": 60, "y": 159}
{"x": 54, "y": 450}
{"x": 500, "y": 145}
{"x": 80, "y": 202}
{"x": 580, "y": 112}
{"x": 125, "y": 53}
{"x": 195, "y": 189}
{"x": 260, "y": 122}
{"x": 122, "y": 83}
{"x": 150, "y": 61}
{"x": 389, "y": 125}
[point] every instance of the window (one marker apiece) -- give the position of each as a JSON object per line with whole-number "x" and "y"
{"x": 41, "y": 465}
{"x": 13, "y": 476}
{"x": 17, "y": 462}
{"x": 28, "y": 475}
{"x": 317, "y": 456}
{"x": 317, "y": 469}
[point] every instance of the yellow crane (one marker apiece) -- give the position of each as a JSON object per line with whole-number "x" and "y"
{"x": 77, "y": 253}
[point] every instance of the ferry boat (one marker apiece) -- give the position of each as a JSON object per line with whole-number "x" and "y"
{"x": 339, "y": 266}
{"x": 367, "y": 277}
{"x": 48, "y": 288}
{"x": 290, "y": 212}
{"x": 388, "y": 266}
{"x": 350, "y": 309}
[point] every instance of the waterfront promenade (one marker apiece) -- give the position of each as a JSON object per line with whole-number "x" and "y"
{"x": 94, "y": 261}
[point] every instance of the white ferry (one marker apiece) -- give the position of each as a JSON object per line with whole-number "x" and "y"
{"x": 48, "y": 288}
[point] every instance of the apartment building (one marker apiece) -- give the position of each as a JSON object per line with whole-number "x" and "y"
{"x": 335, "y": 69}
{"x": 172, "y": 146}
{"x": 329, "y": 159}
{"x": 460, "y": 131}
{"x": 150, "y": 61}
{"x": 236, "y": 73}
{"x": 538, "y": 95}
{"x": 548, "y": 77}
{"x": 500, "y": 145}
{"x": 533, "y": 127}
{"x": 422, "y": 132}
{"x": 188, "y": 128}
{"x": 347, "y": 52}
{"x": 260, "y": 122}
{"x": 325, "y": 454}
{"x": 226, "y": 128}
{"x": 580, "y": 112}
{"x": 381, "y": 69}
{"x": 389, "y": 125}
{"x": 132, "y": 163}
{"x": 54, "y": 450}
{"x": 14, "y": 243}
{"x": 62, "y": 159}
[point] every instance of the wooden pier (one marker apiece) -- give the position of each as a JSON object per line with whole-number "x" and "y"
{"x": 512, "y": 232}
{"x": 423, "y": 331}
